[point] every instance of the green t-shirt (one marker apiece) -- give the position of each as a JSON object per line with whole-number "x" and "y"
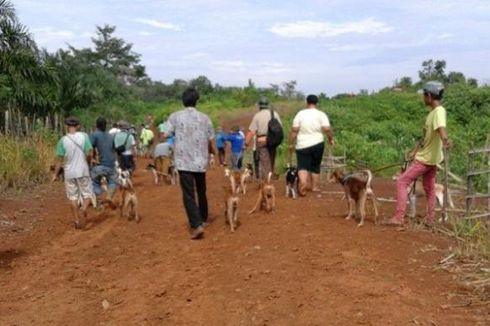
{"x": 431, "y": 151}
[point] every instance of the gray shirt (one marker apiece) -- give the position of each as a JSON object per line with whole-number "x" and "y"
{"x": 162, "y": 149}
{"x": 193, "y": 130}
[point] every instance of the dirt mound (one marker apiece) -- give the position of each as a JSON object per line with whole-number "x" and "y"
{"x": 303, "y": 265}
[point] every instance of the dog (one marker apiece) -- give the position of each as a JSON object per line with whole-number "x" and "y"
{"x": 172, "y": 176}
{"x": 129, "y": 200}
{"x": 267, "y": 197}
{"x": 61, "y": 173}
{"x": 212, "y": 161}
{"x": 292, "y": 180}
{"x": 231, "y": 202}
{"x": 416, "y": 189}
{"x": 245, "y": 177}
{"x": 357, "y": 190}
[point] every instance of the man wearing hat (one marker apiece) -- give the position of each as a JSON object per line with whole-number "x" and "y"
{"x": 426, "y": 155}
{"x": 259, "y": 128}
{"x": 146, "y": 138}
{"x": 126, "y": 139}
{"x": 237, "y": 141}
{"x": 73, "y": 151}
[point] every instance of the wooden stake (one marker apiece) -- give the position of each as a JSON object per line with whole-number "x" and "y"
{"x": 446, "y": 188}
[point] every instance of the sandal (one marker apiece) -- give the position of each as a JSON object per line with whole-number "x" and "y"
{"x": 392, "y": 222}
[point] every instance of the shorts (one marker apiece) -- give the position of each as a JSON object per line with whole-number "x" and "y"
{"x": 77, "y": 188}
{"x": 162, "y": 165}
{"x": 310, "y": 158}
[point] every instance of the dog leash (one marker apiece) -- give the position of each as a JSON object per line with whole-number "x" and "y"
{"x": 390, "y": 166}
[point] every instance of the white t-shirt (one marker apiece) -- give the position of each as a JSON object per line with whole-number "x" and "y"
{"x": 310, "y": 123}
{"x": 74, "y": 148}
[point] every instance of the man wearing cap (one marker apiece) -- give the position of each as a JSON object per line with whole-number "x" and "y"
{"x": 220, "y": 144}
{"x": 426, "y": 155}
{"x": 237, "y": 141}
{"x": 194, "y": 140}
{"x": 124, "y": 137}
{"x": 146, "y": 138}
{"x": 258, "y": 128}
{"x": 73, "y": 151}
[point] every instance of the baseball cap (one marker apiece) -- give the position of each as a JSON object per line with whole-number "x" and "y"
{"x": 123, "y": 124}
{"x": 72, "y": 121}
{"x": 263, "y": 102}
{"x": 432, "y": 87}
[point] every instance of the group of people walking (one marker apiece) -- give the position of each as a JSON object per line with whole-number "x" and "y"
{"x": 194, "y": 140}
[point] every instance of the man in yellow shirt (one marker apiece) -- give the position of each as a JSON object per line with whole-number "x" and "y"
{"x": 426, "y": 155}
{"x": 146, "y": 138}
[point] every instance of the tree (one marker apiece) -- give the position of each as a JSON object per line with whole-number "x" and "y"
{"x": 433, "y": 70}
{"x": 472, "y": 82}
{"x": 25, "y": 81}
{"x": 454, "y": 77}
{"x": 116, "y": 55}
{"x": 202, "y": 84}
{"x": 404, "y": 82}
{"x": 289, "y": 89}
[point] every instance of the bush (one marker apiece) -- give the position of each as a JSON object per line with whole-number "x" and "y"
{"x": 24, "y": 162}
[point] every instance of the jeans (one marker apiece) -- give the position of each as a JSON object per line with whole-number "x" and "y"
{"x": 415, "y": 170}
{"x": 190, "y": 183}
{"x": 221, "y": 155}
{"x": 236, "y": 160}
{"x": 103, "y": 171}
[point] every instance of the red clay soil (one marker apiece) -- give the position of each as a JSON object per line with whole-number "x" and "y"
{"x": 303, "y": 265}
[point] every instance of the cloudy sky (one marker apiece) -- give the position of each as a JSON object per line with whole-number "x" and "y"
{"x": 327, "y": 46}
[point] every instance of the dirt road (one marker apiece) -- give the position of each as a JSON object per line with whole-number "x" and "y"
{"x": 304, "y": 265}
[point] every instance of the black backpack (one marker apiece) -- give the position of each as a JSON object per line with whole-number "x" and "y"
{"x": 122, "y": 148}
{"x": 275, "y": 134}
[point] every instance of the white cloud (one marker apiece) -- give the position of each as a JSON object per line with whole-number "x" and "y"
{"x": 158, "y": 24}
{"x": 446, "y": 36}
{"x": 195, "y": 56}
{"x": 50, "y": 32}
{"x": 253, "y": 67}
{"x": 313, "y": 29}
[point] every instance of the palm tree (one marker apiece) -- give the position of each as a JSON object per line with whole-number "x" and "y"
{"x": 25, "y": 82}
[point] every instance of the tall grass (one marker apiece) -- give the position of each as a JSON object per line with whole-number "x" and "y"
{"x": 25, "y": 161}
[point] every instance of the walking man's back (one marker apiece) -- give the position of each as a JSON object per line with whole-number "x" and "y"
{"x": 194, "y": 139}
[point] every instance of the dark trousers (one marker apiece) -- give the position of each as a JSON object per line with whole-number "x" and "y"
{"x": 221, "y": 155}
{"x": 256, "y": 164}
{"x": 190, "y": 183}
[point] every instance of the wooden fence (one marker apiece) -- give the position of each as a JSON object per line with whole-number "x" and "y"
{"x": 13, "y": 122}
{"x": 474, "y": 171}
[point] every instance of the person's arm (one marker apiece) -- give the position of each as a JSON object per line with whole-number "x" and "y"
{"x": 445, "y": 140}
{"x": 293, "y": 135}
{"x": 60, "y": 154}
{"x": 248, "y": 138}
{"x": 413, "y": 152}
{"x": 57, "y": 168}
{"x": 329, "y": 133}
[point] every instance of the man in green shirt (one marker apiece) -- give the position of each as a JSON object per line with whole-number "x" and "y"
{"x": 73, "y": 152}
{"x": 426, "y": 155}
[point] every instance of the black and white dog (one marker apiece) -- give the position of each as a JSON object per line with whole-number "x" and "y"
{"x": 292, "y": 181}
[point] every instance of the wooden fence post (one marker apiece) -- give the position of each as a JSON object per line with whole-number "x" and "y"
{"x": 7, "y": 121}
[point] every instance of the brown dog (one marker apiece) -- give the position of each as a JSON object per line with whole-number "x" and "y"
{"x": 129, "y": 200}
{"x": 358, "y": 190}
{"x": 231, "y": 202}
{"x": 267, "y": 197}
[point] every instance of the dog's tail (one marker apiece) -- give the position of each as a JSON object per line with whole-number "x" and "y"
{"x": 369, "y": 174}
{"x": 233, "y": 184}
{"x": 269, "y": 176}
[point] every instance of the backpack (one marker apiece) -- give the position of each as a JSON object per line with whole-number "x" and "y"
{"x": 275, "y": 134}
{"x": 122, "y": 148}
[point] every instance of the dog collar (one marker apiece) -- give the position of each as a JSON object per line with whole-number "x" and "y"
{"x": 345, "y": 178}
